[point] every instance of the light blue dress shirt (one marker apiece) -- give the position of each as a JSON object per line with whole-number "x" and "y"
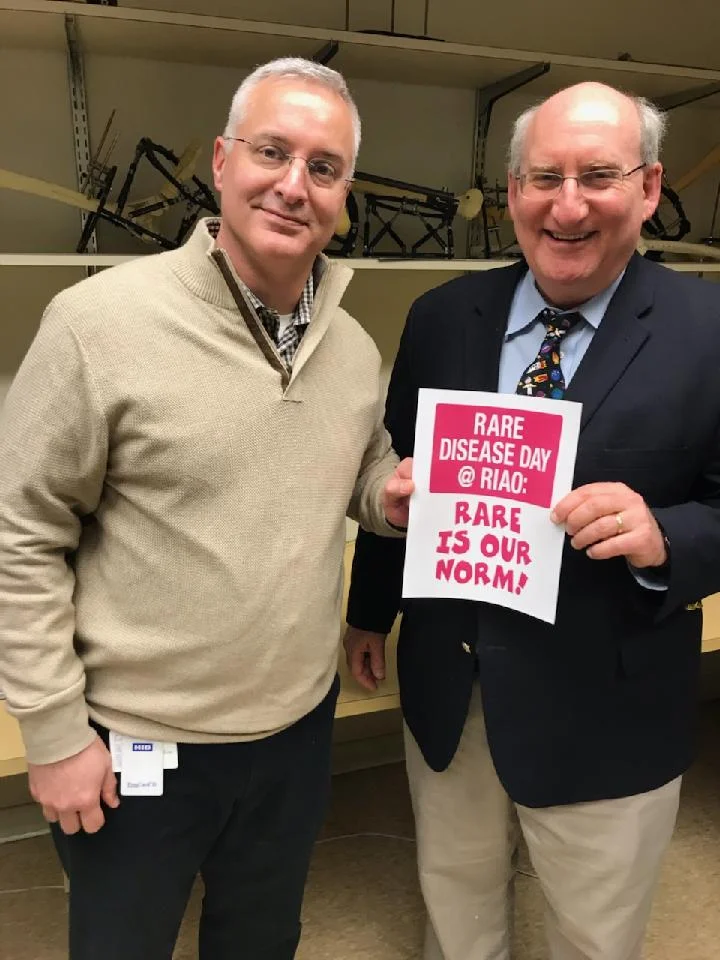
{"x": 525, "y": 334}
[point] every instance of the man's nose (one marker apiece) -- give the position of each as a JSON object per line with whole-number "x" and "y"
{"x": 292, "y": 184}
{"x": 570, "y": 205}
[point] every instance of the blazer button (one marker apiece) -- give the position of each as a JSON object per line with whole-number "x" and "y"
{"x": 466, "y": 647}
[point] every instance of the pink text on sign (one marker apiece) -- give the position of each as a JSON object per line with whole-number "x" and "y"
{"x": 495, "y": 451}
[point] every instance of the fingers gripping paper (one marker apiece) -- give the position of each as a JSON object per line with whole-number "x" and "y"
{"x": 488, "y": 468}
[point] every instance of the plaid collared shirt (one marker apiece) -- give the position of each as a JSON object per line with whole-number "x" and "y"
{"x": 288, "y": 341}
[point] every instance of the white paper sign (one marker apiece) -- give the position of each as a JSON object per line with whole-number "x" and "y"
{"x": 488, "y": 468}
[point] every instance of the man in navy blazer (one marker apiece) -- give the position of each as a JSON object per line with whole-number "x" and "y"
{"x": 575, "y": 733}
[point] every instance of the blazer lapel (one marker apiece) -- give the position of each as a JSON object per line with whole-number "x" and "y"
{"x": 619, "y": 337}
{"x": 485, "y": 330}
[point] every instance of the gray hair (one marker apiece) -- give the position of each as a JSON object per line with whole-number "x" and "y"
{"x": 653, "y": 125}
{"x": 295, "y": 68}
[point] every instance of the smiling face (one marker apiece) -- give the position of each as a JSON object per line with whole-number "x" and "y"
{"x": 280, "y": 216}
{"x": 576, "y": 245}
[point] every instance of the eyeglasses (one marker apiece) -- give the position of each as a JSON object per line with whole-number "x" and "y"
{"x": 323, "y": 173}
{"x": 545, "y": 185}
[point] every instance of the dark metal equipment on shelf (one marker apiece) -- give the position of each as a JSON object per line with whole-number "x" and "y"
{"x": 388, "y": 201}
{"x": 713, "y": 238}
{"x": 664, "y": 233}
{"x": 661, "y": 228}
{"x": 388, "y": 204}
{"x": 181, "y": 186}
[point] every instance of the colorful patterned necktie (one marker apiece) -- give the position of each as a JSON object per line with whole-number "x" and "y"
{"x": 544, "y": 377}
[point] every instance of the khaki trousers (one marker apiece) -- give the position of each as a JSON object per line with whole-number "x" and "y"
{"x": 597, "y": 862}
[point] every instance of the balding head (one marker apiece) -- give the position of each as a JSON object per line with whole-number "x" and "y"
{"x": 593, "y": 102}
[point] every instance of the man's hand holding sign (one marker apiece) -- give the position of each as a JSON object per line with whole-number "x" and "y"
{"x": 611, "y": 520}
{"x": 396, "y": 496}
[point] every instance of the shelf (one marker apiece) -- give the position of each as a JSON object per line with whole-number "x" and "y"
{"x": 357, "y": 263}
{"x": 62, "y": 259}
{"x": 12, "y": 751}
{"x": 711, "y": 623}
{"x": 349, "y": 706}
{"x": 230, "y": 42}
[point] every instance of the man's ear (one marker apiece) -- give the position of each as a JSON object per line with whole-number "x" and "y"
{"x": 218, "y": 162}
{"x": 652, "y": 186}
{"x": 512, "y": 193}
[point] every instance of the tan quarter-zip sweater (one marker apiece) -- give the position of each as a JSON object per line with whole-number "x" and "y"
{"x": 172, "y": 506}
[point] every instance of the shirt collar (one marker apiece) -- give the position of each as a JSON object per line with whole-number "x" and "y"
{"x": 302, "y": 313}
{"x": 528, "y": 302}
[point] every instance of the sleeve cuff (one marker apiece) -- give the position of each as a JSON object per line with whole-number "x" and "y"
{"x": 651, "y": 578}
{"x": 57, "y": 733}
{"x": 394, "y": 526}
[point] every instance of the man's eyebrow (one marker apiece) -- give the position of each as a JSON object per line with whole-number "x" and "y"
{"x": 603, "y": 165}
{"x": 588, "y": 165}
{"x": 279, "y": 138}
{"x": 270, "y": 135}
{"x": 329, "y": 155}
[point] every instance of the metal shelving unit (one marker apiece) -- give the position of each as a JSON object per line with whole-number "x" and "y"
{"x": 225, "y": 41}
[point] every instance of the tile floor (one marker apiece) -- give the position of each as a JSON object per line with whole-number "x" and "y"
{"x": 362, "y": 900}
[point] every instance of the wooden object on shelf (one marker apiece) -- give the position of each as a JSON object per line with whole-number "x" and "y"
{"x": 708, "y": 162}
{"x": 682, "y": 248}
{"x": 9, "y": 180}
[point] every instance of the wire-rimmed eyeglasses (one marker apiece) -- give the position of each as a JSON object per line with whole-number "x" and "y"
{"x": 545, "y": 184}
{"x": 323, "y": 172}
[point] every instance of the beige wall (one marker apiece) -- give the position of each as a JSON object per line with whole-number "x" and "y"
{"x": 24, "y": 292}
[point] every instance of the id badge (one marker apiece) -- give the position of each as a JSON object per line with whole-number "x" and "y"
{"x": 169, "y": 751}
{"x": 142, "y": 769}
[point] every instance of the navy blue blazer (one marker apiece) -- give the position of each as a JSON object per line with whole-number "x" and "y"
{"x": 602, "y": 703}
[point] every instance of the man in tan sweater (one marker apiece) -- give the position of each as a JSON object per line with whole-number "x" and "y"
{"x": 177, "y": 457}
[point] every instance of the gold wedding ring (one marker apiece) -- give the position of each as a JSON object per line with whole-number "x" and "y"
{"x": 620, "y": 524}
